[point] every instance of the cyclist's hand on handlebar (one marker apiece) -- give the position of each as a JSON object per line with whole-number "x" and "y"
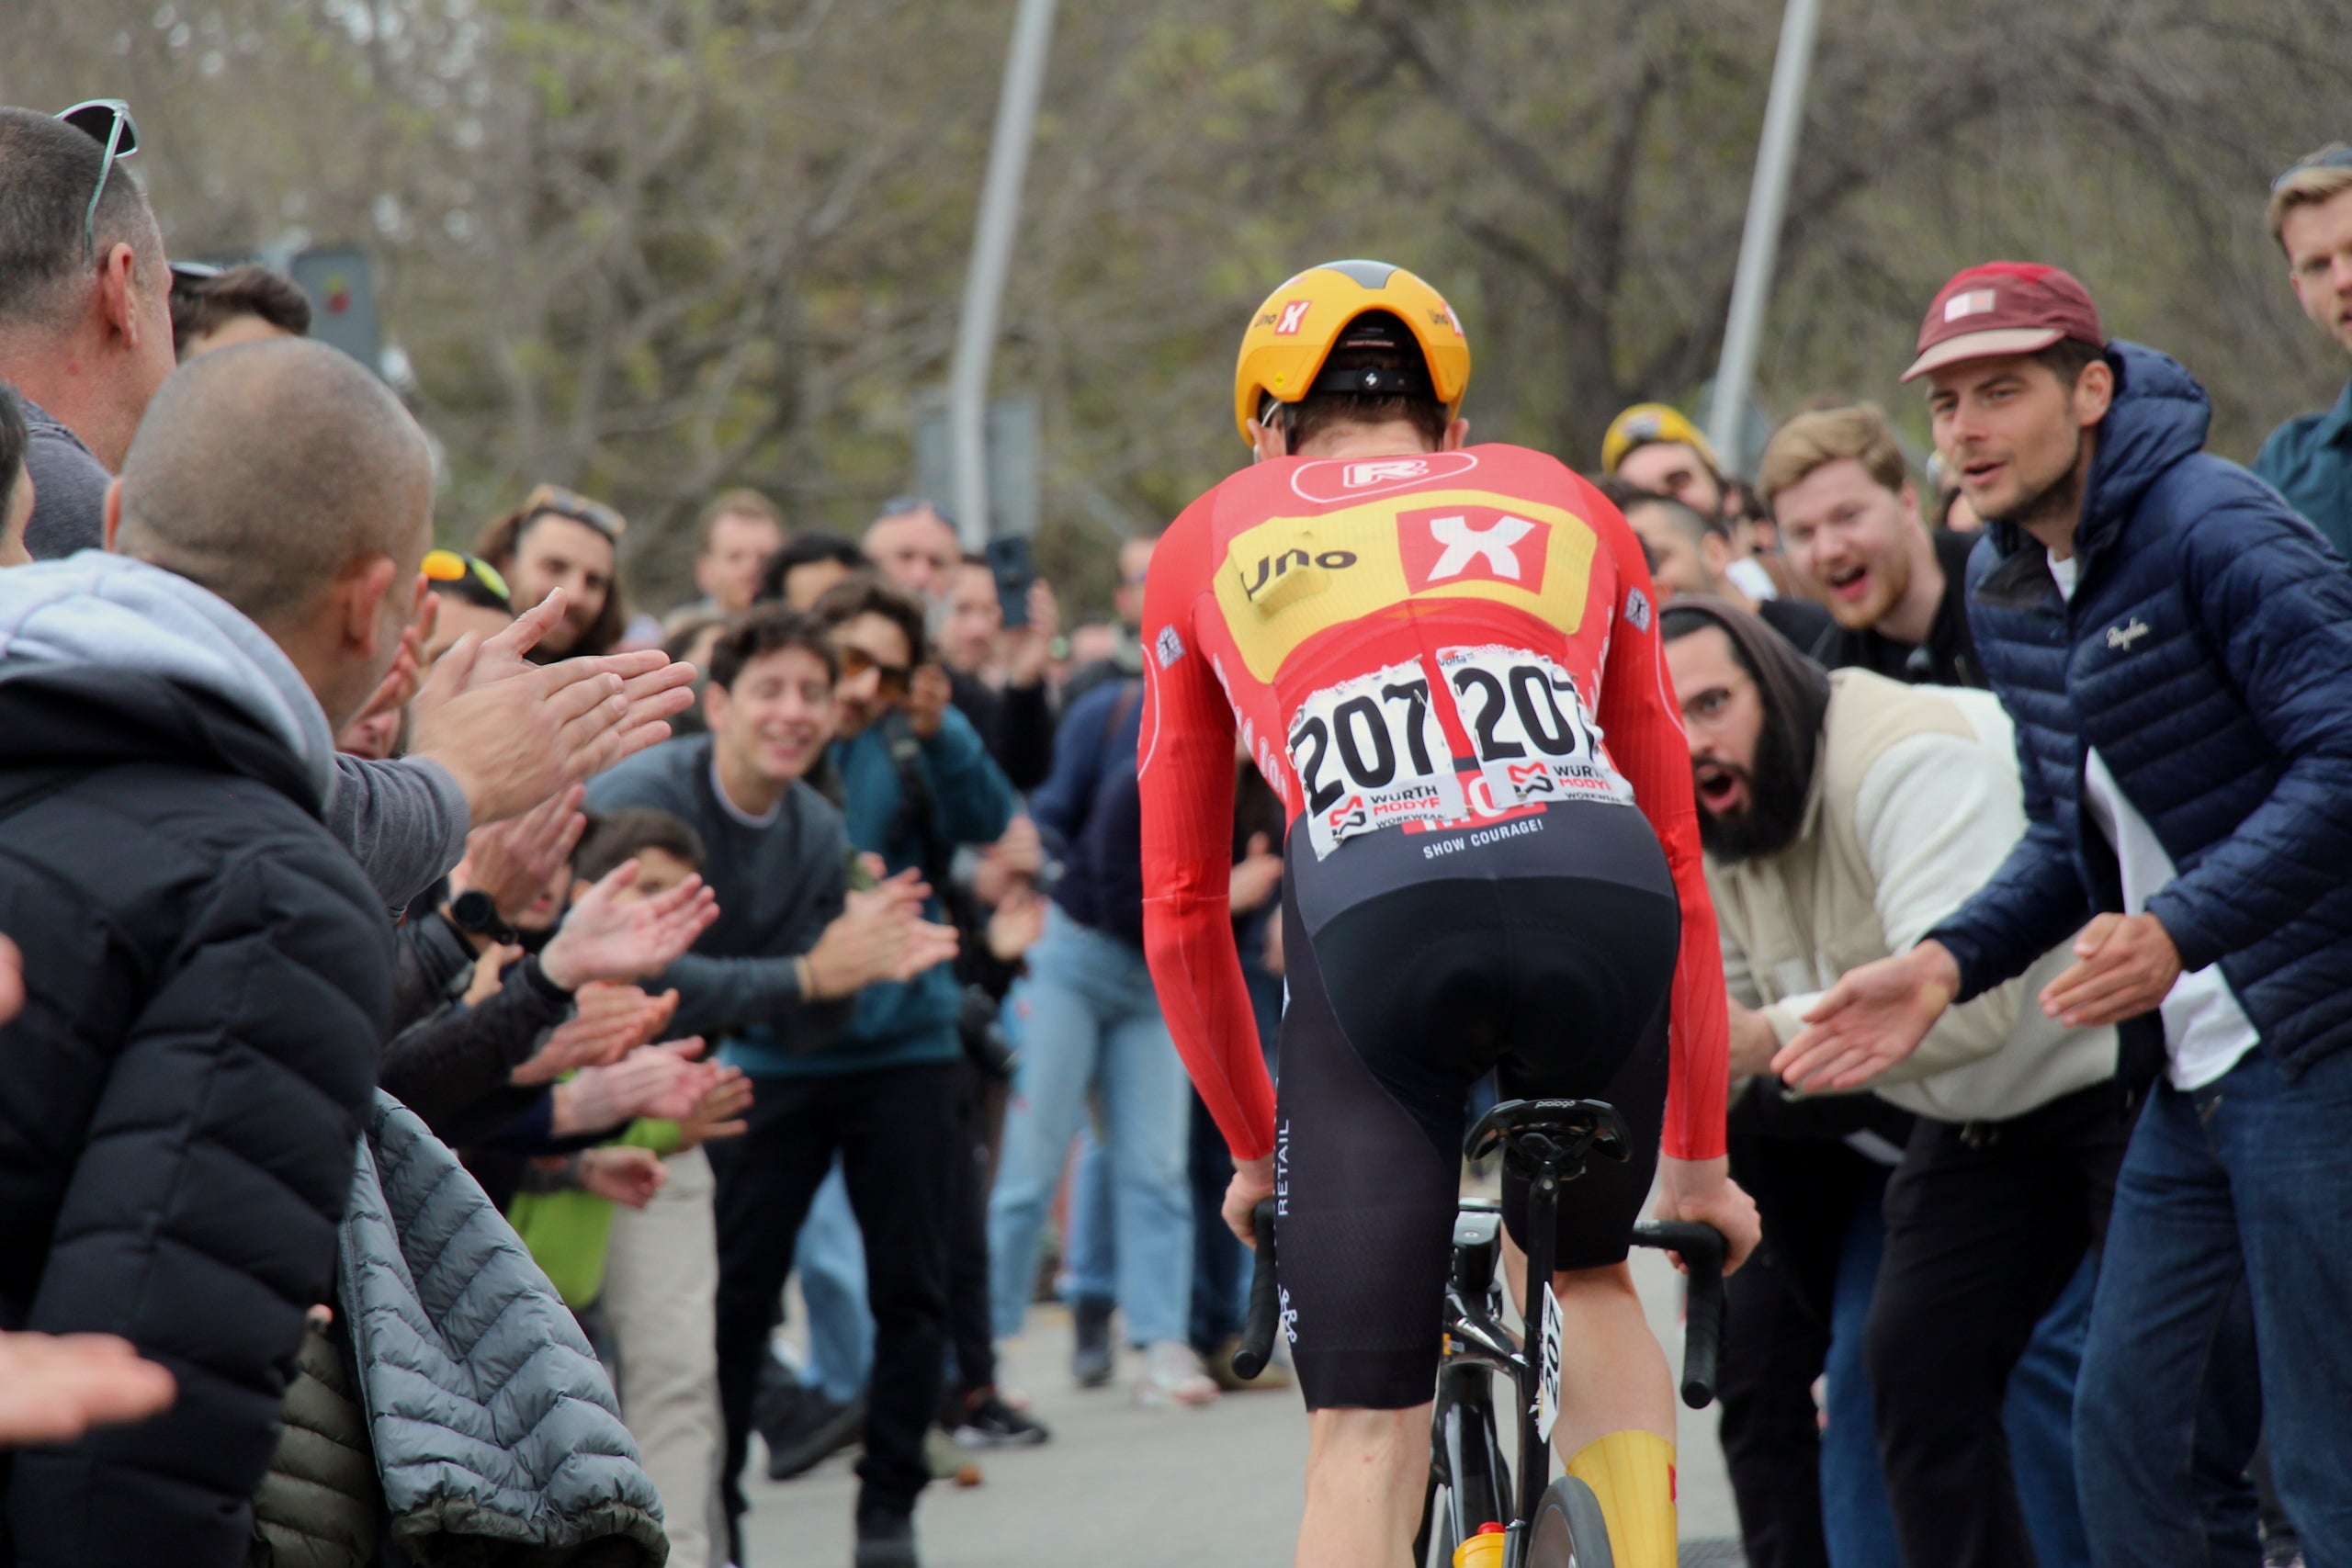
{"x": 1872, "y": 1018}
{"x": 1701, "y": 1189}
{"x": 1253, "y": 1180}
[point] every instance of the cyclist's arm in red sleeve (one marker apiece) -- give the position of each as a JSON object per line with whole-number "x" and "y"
{"x": 1184, "y": 764}
{"x": 1641, "y": 724}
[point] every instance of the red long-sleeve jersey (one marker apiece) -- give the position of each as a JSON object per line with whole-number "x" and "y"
{"x": 1402, "y": 643}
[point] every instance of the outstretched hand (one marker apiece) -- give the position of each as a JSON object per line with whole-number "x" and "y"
{"x": 55, "y": 1387}
{"x": 607, "y": 936}
{"x": 610, "y": 1021}
{"x": 512, "y": 733}
{"x": 1872, "y": 1018}
{"x": 625, "y": 1173}
{"x": 514, "y": 860}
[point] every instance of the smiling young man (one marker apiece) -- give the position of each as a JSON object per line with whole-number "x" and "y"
{"x": 2309, "y": 458}
{"x": 2174, "y": 645}
{"x": 780, "y": 975}
{"x": 1420, "y": 643}
{"x": 1850, "y": 530}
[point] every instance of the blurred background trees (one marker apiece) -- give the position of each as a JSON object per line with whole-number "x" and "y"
{"x": 654, "y": 247}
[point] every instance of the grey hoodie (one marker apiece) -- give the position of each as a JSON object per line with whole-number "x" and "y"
{"x": 405, "y": 822}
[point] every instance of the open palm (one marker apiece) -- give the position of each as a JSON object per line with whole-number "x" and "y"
{"x": 609, "y": 936}
{"x": 1872, "y": 1018}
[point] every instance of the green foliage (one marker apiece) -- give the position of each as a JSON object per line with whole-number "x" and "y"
{"x": 655, "y": 247}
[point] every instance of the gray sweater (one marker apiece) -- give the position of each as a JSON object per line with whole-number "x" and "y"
{"x": 780, "y": 882}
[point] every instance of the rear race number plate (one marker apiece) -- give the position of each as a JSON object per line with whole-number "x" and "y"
{"x": 1371, "y": 753}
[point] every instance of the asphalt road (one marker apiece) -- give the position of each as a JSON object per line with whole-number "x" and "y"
{"x": 1121, "y": 1484}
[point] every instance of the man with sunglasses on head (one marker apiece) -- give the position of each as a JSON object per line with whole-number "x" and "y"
{"x": 86, "y": 336}
{"x": 86, "y": 315}
{"x": 2309, "y": 458}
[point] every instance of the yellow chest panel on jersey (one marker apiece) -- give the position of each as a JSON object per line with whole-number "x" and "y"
{"x": 1289, "y": 578}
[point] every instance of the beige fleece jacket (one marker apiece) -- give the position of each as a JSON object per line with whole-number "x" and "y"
{"x": 1914, "y": 803}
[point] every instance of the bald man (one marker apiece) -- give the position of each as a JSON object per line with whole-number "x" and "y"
{"x": 208, "y": 971}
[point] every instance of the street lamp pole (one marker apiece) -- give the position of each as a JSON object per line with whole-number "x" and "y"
{"x": 1759, "y": 242}
{"x": 992, "y": 243}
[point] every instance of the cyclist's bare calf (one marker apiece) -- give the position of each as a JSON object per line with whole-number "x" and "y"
{"x": 1365, "y": 1470}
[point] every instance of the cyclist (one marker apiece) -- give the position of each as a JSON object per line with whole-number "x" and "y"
{"x": 1445, "y": 658}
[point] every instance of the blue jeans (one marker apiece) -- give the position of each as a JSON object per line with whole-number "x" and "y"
{"x": 2240, "y": 1187}
{"x": 2040, "y": 1415}
{"x": 830, "y": 1258}
{"x": 1090, "y": 1250}
{"x": 1093, "y": 1030}
{"x": 1856, "y": 1525}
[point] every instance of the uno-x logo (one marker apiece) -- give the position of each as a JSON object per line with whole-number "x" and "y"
{"x": 1293, "y": 313}
{"x": 1472, "y": 544}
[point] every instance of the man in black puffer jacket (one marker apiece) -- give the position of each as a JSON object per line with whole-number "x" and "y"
{"x": 208, "y": 971}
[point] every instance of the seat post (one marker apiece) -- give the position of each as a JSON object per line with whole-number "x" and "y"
{"x": 1542, "y": 1245}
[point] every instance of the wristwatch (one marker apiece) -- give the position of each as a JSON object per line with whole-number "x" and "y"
{"x": 474, "y": 910}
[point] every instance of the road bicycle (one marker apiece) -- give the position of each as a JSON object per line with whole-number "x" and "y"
{"x": 1544, "y": 1522}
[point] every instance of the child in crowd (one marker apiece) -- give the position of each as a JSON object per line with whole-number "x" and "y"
{"x": 634, "y": 1245}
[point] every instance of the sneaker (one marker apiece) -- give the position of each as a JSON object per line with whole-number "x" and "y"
{"x": 1277, "y": 1374}
{"x": 886, "y": 1540}
{"x": 804, "y": 1434}
{"x": 1092, "y": 1360}
{"x": 989, "y": 1422}
{"x": 1172, "y": 1374}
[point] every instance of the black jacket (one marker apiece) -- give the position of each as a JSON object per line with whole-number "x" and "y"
{"x": 1948, "y": 656}
{"x": 208, "y": 977}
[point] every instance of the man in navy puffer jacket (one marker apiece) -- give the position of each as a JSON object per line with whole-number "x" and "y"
{"x": 2174, "y": 645}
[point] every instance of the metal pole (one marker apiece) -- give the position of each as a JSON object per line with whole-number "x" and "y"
{"x": 1759, "y": 242}
{"x": 967, "y": 381}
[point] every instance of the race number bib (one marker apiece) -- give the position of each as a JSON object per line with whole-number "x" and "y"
{"x": 1534, "y": 740}
{"x": 1371, "y": 753}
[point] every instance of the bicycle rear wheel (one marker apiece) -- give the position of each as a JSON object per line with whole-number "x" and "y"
{"x": 1568, "y": 1531}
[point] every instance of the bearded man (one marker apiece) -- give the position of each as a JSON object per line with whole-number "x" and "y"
{"x": 1844, "y": 815}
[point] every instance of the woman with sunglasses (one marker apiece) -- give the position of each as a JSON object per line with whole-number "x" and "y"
{"x": 561, "y": 539}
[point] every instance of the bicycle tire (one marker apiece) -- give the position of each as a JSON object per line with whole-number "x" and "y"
{"x": 1568, "y": 1530}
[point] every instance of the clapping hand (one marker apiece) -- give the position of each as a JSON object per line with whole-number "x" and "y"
{"x": 627, "y": 1175}
{"x": 609, "y": 1021}
{"x": 514, "y": 860}
{"x": 607, "y": 936}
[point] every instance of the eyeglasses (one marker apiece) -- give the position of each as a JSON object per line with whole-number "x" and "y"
{"x": 2338, "y": 156}
{"x": 451, "y": 566}
{"x": 857, "y": 662}
{"x": 107, "y": 122}
{"x": 562, "y": 503}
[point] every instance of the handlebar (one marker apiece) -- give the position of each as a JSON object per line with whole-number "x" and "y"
{"x": 1701, "y": 1248}
{"x": 1265, "y": 1298}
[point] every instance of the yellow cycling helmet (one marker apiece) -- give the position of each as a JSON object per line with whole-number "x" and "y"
{"x": 1301, "y": 323}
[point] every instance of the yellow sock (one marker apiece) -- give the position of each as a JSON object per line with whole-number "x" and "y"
{"x": 1633, "y": 1474}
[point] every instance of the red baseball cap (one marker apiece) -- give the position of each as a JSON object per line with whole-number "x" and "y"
{"x": 2004, "y": 307}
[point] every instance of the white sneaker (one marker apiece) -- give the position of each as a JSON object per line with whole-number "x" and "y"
{"x": 1172, "y": 1374}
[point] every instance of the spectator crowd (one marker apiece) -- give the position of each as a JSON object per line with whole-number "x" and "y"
{"x": 442, "y": 1011}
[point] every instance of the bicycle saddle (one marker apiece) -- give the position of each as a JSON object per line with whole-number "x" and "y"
{"x": 1556, "y": 1134}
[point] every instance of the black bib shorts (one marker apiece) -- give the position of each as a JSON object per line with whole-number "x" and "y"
{"x": 1541, "y": 947}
